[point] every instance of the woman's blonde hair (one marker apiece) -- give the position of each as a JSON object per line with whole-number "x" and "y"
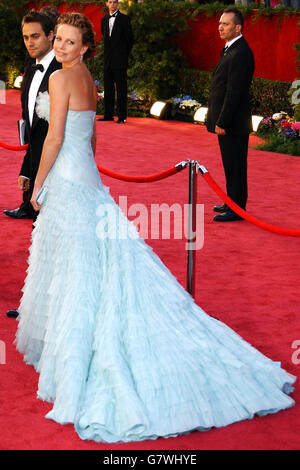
{"x": 80, "y": 21}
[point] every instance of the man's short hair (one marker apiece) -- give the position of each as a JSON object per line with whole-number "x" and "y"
{"x": 46, "y": 21}
{"x": 238, "y": 17}
{"x": 50, "y": 11}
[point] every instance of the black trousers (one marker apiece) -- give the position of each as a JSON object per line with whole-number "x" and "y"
{"x": 26, "y": 204}
{"x": 115, "y": 80}
{"x": 234, "y": 151}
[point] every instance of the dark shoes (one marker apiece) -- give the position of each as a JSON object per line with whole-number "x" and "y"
{"x": 12, "y": 313}
{"x": 17, "y": 214}
{"x": 221, "y": 209}
{"x": 121, "y": 121}
{"x": 228, "y": 216}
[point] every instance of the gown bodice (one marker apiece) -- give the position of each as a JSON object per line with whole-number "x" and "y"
{"x": 75, "y": 160}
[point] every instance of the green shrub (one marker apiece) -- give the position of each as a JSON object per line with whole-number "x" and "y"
{"x": 270, "y": 96}
{"x": 281, "y": 144}
{"x": 297, "y": 112}
{"x": 96, "y": 65}
{"x": 267, "y": 96}
{"x": 12, "y": 50}
{"x": 156, "y": 59}
{"x": 195, "y": 83}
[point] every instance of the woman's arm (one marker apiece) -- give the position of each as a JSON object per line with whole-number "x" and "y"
{"x": 59, "y": 103}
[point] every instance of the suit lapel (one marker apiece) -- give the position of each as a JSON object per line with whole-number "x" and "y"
{"x": 28, "y": 75}
{"x": 235, "y": 45}
{"x": 25, "y": 102}
{"x": 44, "y": 86}
{"x": 116, "y": 23}
{"x": 224, "y": 56}
{"x": 106, "y": 26}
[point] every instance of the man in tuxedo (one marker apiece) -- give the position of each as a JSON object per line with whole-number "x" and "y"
{"x": 229, "y": 113}
{"x": 40, "y": 63}
{"x": 118, "y": 40}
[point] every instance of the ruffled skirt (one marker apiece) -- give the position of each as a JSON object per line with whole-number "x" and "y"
{"x": 122, "y": 350}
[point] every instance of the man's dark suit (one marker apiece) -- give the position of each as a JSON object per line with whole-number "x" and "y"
{"x": 229, "y": 109}
{"x": 35, "y": 134}
{"x": 117, "y": 48}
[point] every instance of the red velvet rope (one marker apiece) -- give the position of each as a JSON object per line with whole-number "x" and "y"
{"x": 135, "y": 179}
{"x": 13, "y": 147}
{"x": 250, "y": 218}
{"x": 171, "y": 171}
{"x": 140, "y": 179}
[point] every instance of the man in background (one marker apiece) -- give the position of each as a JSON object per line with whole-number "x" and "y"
{"x": 229, "y": 112}
{"x": 118, "y": 40}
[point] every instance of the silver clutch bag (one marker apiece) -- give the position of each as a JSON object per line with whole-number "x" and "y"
{"x": 42, "y": 195}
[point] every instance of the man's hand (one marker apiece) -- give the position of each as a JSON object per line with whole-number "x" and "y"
{"x": 220, "y": 131}
{"x": 23, "y": 183}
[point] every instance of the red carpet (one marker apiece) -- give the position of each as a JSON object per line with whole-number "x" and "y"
{"x": 246, "y": 277}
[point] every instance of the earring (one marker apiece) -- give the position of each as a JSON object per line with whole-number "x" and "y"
{"x": 81, "y": 58}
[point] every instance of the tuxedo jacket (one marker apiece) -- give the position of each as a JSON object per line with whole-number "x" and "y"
{"x": 229, "y": 102}
{"x": 36, "y": 133}
{"x": 117, "y": 47}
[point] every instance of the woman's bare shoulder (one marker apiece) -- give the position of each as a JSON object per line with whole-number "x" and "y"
{"x": 59, "y": 76}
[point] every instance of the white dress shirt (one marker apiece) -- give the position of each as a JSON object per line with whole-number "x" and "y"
{"x": 36, "y": 82}
{"x": 229, "y": 43}
{"x": 111, "y": 22}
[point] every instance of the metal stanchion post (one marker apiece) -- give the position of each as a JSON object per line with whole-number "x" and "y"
{"x": 191, "y": 261}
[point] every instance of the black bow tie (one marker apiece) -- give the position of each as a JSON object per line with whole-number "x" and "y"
{"x": 114, "y": 15}
{"x": 36, "y": 67}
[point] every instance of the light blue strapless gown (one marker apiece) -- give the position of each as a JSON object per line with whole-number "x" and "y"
{"x": 122, "y": 350}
